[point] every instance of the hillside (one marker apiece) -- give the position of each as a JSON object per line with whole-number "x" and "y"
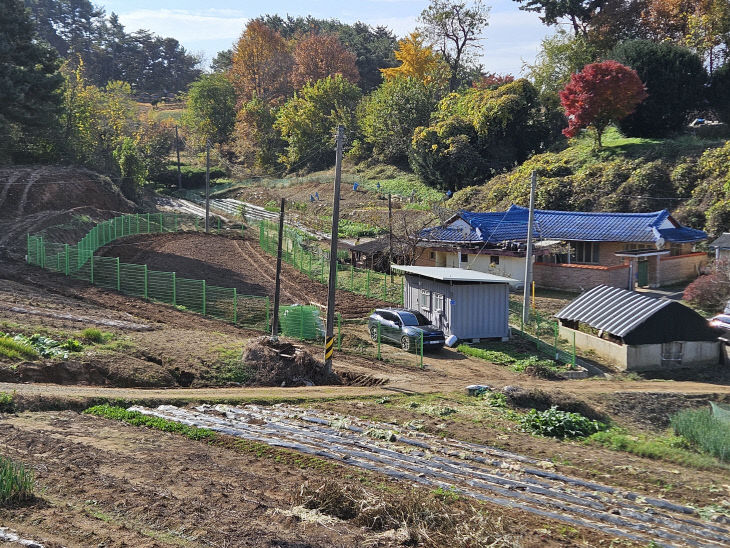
{"x": 687, "y": 175}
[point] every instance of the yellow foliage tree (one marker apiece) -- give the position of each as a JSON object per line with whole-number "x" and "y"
{"x": 418, "y": 60}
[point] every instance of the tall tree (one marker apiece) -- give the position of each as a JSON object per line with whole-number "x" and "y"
{"x": 392, "y": 112}
{"x": 456, "y": 26}
{"x": 579, "y": 12}
{"x": 29, "y": 85}
{"x": 223, "y": 61}
{"x": 307, "y": 121}
{"x": 261, "y": 64}
{"x": 675, "y": 81}
{"x": 601, "y": 94}
{"x": 211, "y": 108}
{"x": 373, "y": 46}
{"x": 418, "y": 60}
{"x": 317, "y": 56}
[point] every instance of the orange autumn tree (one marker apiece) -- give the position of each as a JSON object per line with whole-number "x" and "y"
{"x": 318, "y": 56}
{"x": 261, "y": 64}
{"x": 418, "y": 60}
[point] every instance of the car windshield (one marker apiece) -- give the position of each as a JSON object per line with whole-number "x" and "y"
{"x": 414, "y": 318}
{"x": 722, "y": 318}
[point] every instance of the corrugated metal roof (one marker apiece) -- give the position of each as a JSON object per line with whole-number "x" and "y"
{"x": 495, "y": 227}
{"x": 444, "y": 234}
{"x": 616, "y": 311}
{"x": 446, "y": 274}
{"x": 723, "y": 242}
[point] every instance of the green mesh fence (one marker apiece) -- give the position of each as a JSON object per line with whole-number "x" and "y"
{"x": 721, "y": 411}
{"x": 79, "y": 261}
{"x": 312, "y": 261}
{"x": 543, "y": 333}
{"x": 301, "y": 322}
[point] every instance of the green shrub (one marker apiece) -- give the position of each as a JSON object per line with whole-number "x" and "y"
{"x": 704, "y": 431}
{"x": 7, "y": 402}
{"x": 16, "y": 483}
{"x": 15, "y": 349}
{"x": 93, "y": 335}
{"x": 559, "y": 424}
{"x": 190, "y": 177}
{"x": 138, "y": 419}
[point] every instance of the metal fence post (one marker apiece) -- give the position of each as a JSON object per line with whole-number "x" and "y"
{"x": 27, "y": 247}
{"x": 379, "y": 357}
{"x": 204, "y": 298}
{"x": 421, "y": 341}
{"x": 65, "y": 248}
{"x": 573, "y": 358}
{"x": 402, "y": 287}
{"x": 385, "y": 286}
{"x": 175, "y": 217}
{"x": 148, "y": 223}
{"x": 352, "y": 277}
{"x": 301, "y": 324}
{"x": 174, "y": 290}
{"x": 268, "y": 318}
{"x": 235, "y": 306}
{"x": 145, "y": 281}
{"x": 367, "y": 288}
{"x": 119, "y": 285}
{"x": 557, "y": 352}
{"x": 91, "y": 270}
{"x": 162, "y": 223}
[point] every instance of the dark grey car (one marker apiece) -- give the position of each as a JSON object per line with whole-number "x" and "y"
{"x": 405, "y": 328}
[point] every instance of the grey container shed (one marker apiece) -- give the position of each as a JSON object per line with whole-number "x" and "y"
{"x": 468, "y": 304}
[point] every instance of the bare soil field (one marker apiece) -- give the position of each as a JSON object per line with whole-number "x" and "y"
{"x": 105, "y": 483}
{"x": 232, "y": 262}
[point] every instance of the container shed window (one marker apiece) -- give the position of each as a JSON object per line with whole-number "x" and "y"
{"x": 464, "y": 258}
{"x": 424, "y": 300}
{"x": 438, "y": 302}
{"x": 494, "y": 259}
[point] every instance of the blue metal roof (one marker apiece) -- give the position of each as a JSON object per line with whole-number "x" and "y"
{"x": 495, "y": 227}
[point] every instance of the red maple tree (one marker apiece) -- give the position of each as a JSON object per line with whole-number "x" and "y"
{"x": 600, "y": 94}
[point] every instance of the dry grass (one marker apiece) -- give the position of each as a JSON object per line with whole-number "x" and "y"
{"x": 419, "y": 517}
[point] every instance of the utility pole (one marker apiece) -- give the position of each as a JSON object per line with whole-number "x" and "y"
{"x": 207, "y": 185}
{"x": 528, "y": 254}
{"x": 277, "y": 290}
{"x": 329, "y": 337}
{"x": 177, "y": 150}
{"x": 390, "y": 234}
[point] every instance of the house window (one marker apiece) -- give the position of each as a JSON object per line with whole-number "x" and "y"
{"x": 438, "y": 302}
{"x": 494, "y": 259}
{"x": 585, "y": 252}
{"x": 424, "y": 300}
{"x": 464, "y": 258}
{"x": 675, "y": 249}
{"x": 433, "y": 255}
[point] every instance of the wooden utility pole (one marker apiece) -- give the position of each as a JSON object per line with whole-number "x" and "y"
{"x": 329, "y": 340}
{"x": 528, "y": 253}
{"x": 207, "y": 185}
{"x": 177, "y": 150}
{"x": 277, "y": 289}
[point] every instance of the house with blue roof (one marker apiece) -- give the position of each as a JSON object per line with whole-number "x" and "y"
{"x": 573, "y": 250}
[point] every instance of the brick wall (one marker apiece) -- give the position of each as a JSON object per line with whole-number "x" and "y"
{"x": 680, "y": 268}
{"x": 576, "y": 277}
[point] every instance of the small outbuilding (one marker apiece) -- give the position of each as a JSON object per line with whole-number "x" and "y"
{"x": 637, "y": 332}
{"x": 722, "y": 247}
{"x": 469, "y": 304}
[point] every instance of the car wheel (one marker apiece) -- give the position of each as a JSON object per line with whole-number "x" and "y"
{"x": 374, "y": 332}
{"x": 405, "y": 343}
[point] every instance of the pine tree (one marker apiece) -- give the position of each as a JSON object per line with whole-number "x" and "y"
{"x": 29, "y": 87}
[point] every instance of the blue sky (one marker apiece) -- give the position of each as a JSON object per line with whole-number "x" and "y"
{"x": 208, "y": 27}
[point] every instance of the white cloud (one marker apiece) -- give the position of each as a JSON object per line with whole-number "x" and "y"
{"x": 187, "y": 25}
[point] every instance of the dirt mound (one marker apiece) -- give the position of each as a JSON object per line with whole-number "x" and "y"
{"x": 283, "y": 364}
{"x": 535, "y": 398}
{"x": 31, "y": 189}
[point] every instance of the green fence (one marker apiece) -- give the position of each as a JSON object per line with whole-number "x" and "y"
{"x": 312, "y": 261}
{"x": 79, "y": 261}
{"x": 543, "y": 333}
